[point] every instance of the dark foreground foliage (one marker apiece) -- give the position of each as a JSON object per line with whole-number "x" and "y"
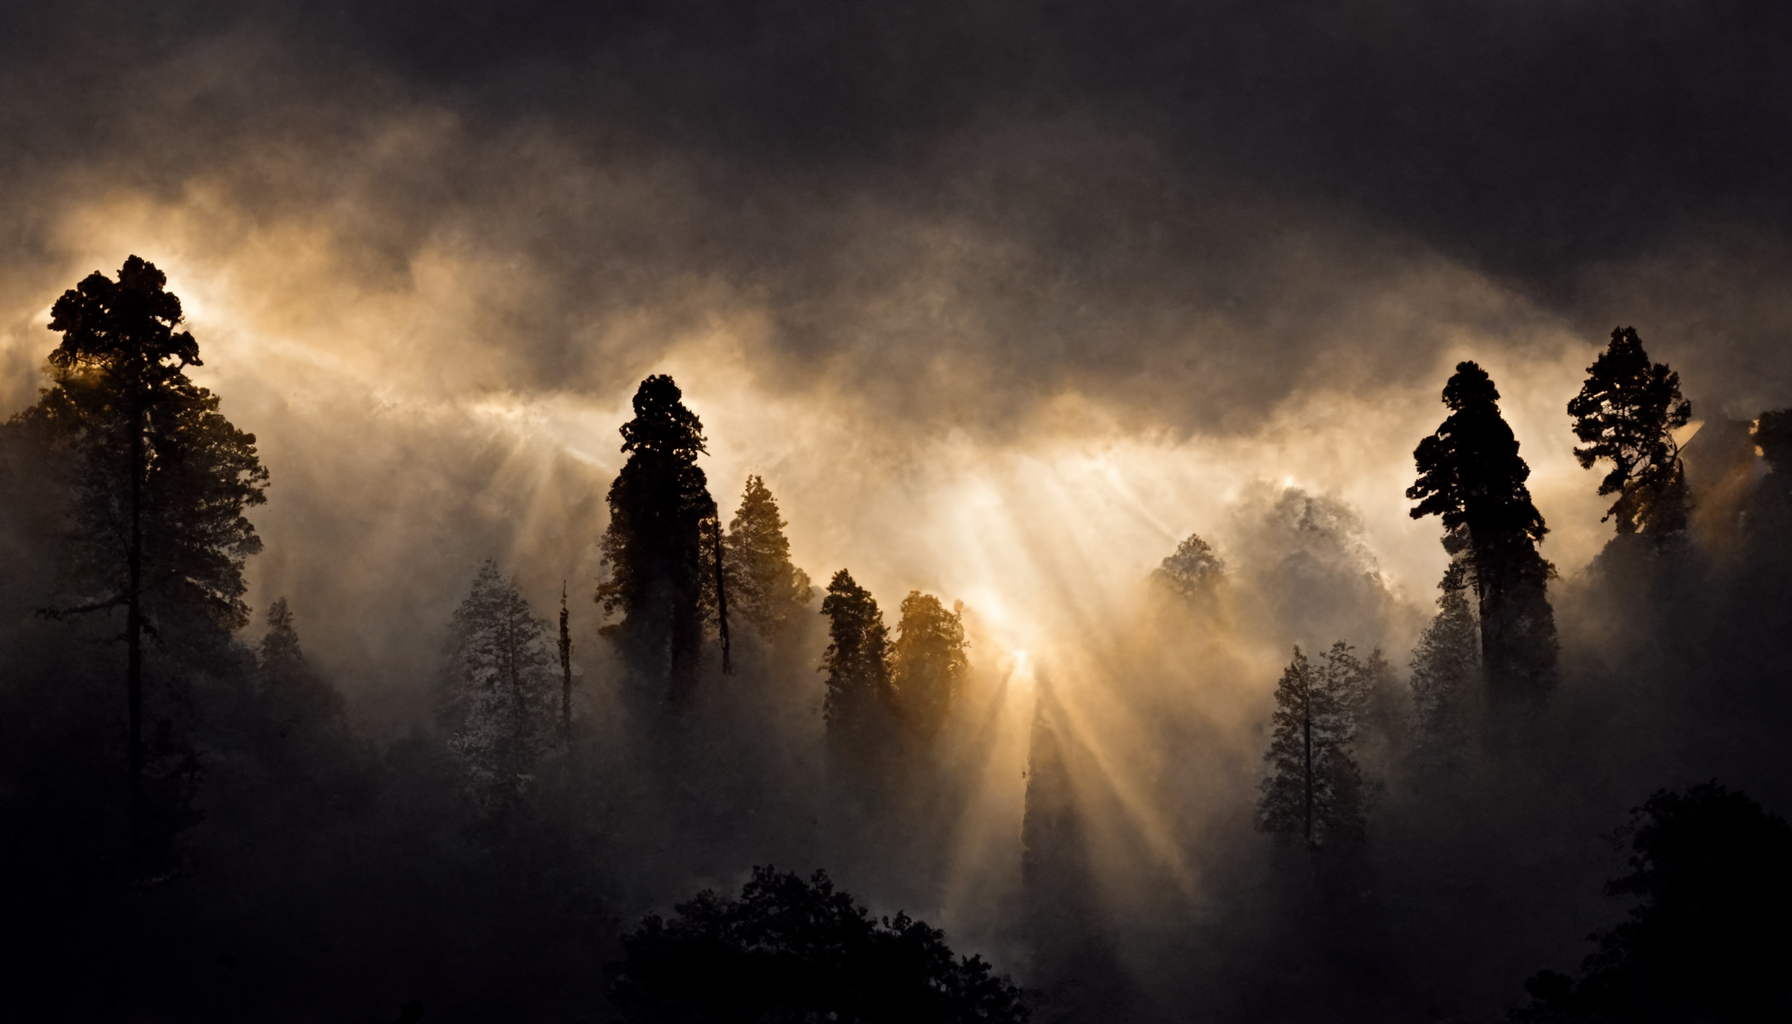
{"x": 795, "y": 950}
{"x": 1709, "y": 940}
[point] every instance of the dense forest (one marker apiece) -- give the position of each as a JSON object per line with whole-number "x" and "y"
{"x": 705, "y": 787}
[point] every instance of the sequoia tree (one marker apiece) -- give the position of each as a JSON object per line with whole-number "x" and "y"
{"x": 161, "y": 481}
{"x": 1626, "y": 413}
{"x": 1471, "y": 475}
{"x": 660, "y": 510}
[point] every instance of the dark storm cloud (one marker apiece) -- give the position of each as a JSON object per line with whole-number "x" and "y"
{"x": 1188, "y": 211}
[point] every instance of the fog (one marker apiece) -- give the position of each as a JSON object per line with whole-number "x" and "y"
{"x": 1002, "y": 303}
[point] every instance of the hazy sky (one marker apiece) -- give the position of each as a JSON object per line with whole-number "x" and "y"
{"x": 1003, "y": 299}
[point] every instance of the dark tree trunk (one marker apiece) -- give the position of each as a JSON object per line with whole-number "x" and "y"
{"x": 1518, "y": 633}
{"x": 722, "y": 602}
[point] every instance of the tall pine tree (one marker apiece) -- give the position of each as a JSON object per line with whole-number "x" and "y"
{"x": 1626, "y": 414}
{"x": 1471, "y": 475}
{"x": 498, "y": 700}
{"x": 660, "y": 508}
{"x": 1314, "y": 788}
{"x": 161, "y": 482}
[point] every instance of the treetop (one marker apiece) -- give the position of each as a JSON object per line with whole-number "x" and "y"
{"x": 662, "y": 423}
{"x": 1470, "y": 386}
{"x": 131, "y": 319}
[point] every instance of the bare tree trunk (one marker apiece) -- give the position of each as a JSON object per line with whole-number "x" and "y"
{"x": 722, "y": 601}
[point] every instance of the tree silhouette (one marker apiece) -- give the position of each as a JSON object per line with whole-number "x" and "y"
{"x": 161, "y": 483}
{"x": 1626, "y": 413}
{"x": 763, "y": 586}
{"x": 1314, "y": 788}
{"x": 857, "y": 660}
{"x": 1193, "y": 570}
{"x": 659, "y": 504}
{"x": 928, "y": 663}
{"x": 1708, "y": 942}
{"x": 791, "y": 949}
{"x": 301, "y": 700}
{"x": 1471, "y": 475}
{"x": 498, "y": 700}
{"x": 1445, "y": 666}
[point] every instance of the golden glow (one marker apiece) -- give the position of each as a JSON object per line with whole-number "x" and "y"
{"x": 407, "y": 437}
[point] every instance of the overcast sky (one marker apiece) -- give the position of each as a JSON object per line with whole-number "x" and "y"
{"x": 920, "y": 264}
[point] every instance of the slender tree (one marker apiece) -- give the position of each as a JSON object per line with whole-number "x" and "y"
{"x": 1314, "y": 787}
{"x": 1626, "y": 414}
{"x": 497, "y": 704}
{"x": 654, "y": 545}
{"x": 857, "y": 660}
{"x": 928, "y": 663}
{"x": 1471, "y": 475}
{"x": 162, "y": 479}
{"x": 763, "y": 586}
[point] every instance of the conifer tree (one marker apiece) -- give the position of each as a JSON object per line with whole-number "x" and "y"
{"x": 161, "y": 483}
{"x": 1446, "y": 664}
{"x": 1314, "y": 787}
{"x": 928, "y": 663}
{"x": 300, "y": 699}
{"x": 857, "y": 660}
{"x": 498, "y": 700}
{"x": 1192, "y": 570}
{"x": 1626, "y": 413}
{"x": 659, "y": 505}
{"x": 1471, "y": 475}
{"x": 764, "y": 588}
